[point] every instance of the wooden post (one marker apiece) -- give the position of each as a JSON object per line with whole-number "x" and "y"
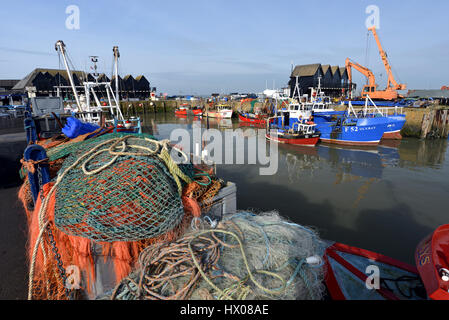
{"x": 427, "y": 123}
{"x": 444, "y": 124}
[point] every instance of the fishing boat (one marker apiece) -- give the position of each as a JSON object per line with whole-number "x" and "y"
{"x": 394, "y": 114}
{"x": 187, "y": 110}
{"x": 253, "y": 118}
{"x": 347, "y": 130}
{"x": 347, "y": 267}
{"x": 106, "y": 113}
{"x": 222, "y": 111}
{"x": 280, "y": 130}
{"x": 365, "y": 127}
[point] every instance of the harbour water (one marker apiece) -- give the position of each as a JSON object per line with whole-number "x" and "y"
{"x": 385, "y": 199}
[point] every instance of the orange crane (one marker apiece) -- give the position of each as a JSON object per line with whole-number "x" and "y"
{"x": 391, "y": 92}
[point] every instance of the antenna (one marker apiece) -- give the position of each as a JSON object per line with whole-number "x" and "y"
{"x": 116, "y": 56}
{"x": 95, "y": 73}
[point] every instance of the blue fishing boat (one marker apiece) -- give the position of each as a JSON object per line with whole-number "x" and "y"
{"x": 394, "y": 114}
{"x": 347, "y": 130}
{"x": 360, "y": 127}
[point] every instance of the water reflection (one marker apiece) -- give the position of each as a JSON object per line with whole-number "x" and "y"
{"x": 350, "y": 162}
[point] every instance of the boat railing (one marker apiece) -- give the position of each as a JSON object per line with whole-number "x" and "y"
{"x": 382, "y": 111}
{"x": 373, "y": 110}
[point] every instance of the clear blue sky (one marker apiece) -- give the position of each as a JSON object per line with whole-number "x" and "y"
{"x": 224, "y": 46}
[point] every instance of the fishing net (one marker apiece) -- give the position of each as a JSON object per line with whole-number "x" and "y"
{"x": 121, "y": 190}
{"x": 247, "y": 256}
{"x": 110, "y": 197}
{"x": 113, "y": 206}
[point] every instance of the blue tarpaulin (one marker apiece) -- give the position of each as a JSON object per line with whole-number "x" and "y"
{"x": 75, "y": 128}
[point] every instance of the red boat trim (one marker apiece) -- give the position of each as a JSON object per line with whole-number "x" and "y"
{"x": 394, "y": 135}
{"x": 375, "y": 256}
{"x": 332, "y": 282}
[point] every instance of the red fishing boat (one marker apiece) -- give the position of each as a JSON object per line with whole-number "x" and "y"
{"x": 356, "y": 274}
{"x": 299, "y": 133}
{"x": 253, "y": 118}
{"x": 296, "y": 138}
{"x": 186, "y": 110}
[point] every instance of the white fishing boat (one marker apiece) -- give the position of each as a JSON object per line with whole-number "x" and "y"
{"x": 222, "y": 111}
{"x": 100, "y": 113}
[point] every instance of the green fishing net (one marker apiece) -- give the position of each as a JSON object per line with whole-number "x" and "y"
{"x": 117, "y": 188}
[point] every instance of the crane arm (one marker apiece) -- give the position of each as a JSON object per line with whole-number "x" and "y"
{"x": 391, "y": 81}
{"x": 363, "y": 70}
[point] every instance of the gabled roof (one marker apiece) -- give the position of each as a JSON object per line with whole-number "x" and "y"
{"x": 306, "y": 70}
{"x": 342, "y": 71}
{"x": 335, "y": 69}
{"x": 140, "y": 77}
{"x": 28, "y": 80}
{"x": 325, "y": 68}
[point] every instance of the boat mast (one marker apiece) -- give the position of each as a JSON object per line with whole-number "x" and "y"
{"x": 60, "y": 46}
{"x": 116, "y": 56}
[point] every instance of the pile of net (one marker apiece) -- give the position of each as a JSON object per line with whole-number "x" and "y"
{"x": 111, "y": 197}
{"x": 247, "y": 256}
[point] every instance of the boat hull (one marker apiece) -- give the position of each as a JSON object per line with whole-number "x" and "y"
{"x": 300, "y": 141}
{"x": 247, "y": 119}
{"x": 394, "y": 127}
{"x": 197, "y": 112}
{"x": 431, "y": 260}
{"x": 348, "y": 270}
{"x": 354, "y": 131}
{"x": 220, "y": 114}
{"x": 394, "y": 135}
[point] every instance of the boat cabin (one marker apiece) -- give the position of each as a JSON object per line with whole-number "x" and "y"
{"x": 224, "y": 107}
